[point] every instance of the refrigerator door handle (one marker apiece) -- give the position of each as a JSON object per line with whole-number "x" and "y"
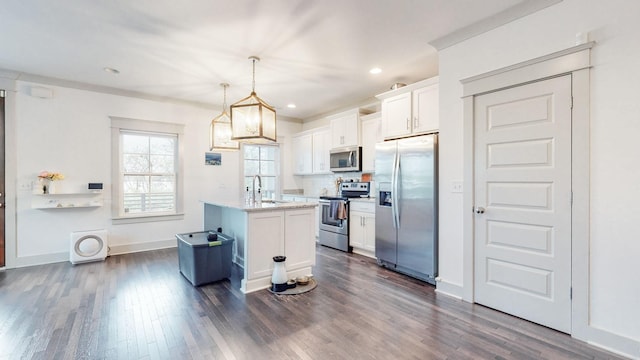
{"x": 395, "y": 195}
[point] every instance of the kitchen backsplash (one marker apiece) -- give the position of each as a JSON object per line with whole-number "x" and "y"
{"x": 313, "y": 185}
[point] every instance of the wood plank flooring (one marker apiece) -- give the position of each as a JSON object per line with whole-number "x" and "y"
{"x": 138, "y": 306}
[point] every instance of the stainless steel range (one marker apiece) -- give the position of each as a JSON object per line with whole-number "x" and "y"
{"x": 334, "y": 215}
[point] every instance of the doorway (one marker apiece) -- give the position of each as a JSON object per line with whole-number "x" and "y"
{"x": 528, "y": 81}
{"x": 523, "y": 201}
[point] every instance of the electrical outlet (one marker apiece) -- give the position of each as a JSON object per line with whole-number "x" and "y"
{"x": 25, "y": 185}
{"x": 456, "y": 186}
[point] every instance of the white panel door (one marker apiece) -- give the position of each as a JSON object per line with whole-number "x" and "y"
{"x": 523, "y": 201}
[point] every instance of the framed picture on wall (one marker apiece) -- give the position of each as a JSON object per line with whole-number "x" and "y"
{"x": 212, "y": 158}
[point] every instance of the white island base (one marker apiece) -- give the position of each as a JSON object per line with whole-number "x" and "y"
{"x": 264, "y": 231}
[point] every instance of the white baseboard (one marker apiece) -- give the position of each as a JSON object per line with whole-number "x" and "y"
{"x": 609, "y": 341}
{"x": 364, "y": 252}
{"x": 239, "y": 261}
{"x": 25, "y": 261}
{"x": 450, "y": 289}
{"x": 139, "y": 247}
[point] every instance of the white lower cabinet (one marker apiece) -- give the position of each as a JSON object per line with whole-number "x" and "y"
{"x": 299, "y": 227}
{"x": 294, "y": 198}
{"x": 362, "y": 227}
{"x": 286, "y": 232}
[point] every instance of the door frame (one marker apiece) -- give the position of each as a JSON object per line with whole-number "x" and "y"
{"x": 576, "y": 62}
{"x": 10, "y": 165}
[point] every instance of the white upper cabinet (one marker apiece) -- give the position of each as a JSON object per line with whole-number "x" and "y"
{"x": 371, "y": 135}
{"x": 396, "y": 116}
{"x": 301, "y": 145}
{"x": 411, "y": 110}
{"x": 426, "y": 109}
{"x": 345, "y": 129}
{"x": 321, "y": 146}
{"x": 311, "y": 151}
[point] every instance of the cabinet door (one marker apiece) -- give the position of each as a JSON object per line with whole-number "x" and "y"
{"x": 396, "y": 116}
{"x": 321, "y": 147}
{"x": 345, "y": 131}
{"x": 371, "y": 134}
{"x": 369, "y": 232}
{"x": 352, "y": 130}
{"x": 356, "y": 229}
{"x": 299, "y": 247}
{"x": 302, "y": 154}
{"x": 425, "y": 109}
{"x": 268, "y": 227}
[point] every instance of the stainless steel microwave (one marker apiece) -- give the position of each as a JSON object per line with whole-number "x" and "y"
{"x": 346, "y": 159}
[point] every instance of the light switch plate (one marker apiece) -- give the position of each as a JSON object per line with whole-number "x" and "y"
{"x": 456, "y": 186}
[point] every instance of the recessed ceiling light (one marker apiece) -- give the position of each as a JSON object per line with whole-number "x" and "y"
{"x": 291, "y": 106}
{"x": 375, "y": 70}
{"x": 111, "y": 70}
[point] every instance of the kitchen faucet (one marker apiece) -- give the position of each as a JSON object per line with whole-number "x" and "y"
{"x": 253, "y": 188}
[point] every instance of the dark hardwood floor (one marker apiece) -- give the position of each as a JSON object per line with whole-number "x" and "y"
{"x": 138, "y": 306}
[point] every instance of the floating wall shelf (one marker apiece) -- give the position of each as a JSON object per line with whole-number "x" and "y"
{"x": 67, "y": 200}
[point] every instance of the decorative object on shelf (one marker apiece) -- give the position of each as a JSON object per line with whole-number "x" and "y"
{"x": 47, "y": 181}
{"x": 213, "y": 158}
{"x": 252, "y": 119}
{"x": 220, "y": 128}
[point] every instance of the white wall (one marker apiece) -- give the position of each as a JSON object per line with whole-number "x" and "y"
{"x": 70, "y": 133}
{"x": 615, "y": 124}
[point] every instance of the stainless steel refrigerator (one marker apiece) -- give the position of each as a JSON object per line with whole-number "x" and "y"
{"x": 407, "y": 206}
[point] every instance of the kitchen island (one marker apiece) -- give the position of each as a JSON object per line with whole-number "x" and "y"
{"x": 264, "y": 231}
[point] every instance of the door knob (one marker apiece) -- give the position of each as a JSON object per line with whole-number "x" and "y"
{"x": 479, "y": 210}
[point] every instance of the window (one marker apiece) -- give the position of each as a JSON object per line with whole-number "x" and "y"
{"x": 146, "y": 171}
{"x": 262, "y": 160}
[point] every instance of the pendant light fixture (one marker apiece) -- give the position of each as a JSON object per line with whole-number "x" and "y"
{"x": 220, "y": 128}
{"x": 252, "y": 119}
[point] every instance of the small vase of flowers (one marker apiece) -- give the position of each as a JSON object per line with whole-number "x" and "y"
{"x": 47, "y": 180}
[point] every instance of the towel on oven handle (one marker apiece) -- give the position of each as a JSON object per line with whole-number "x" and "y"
{"x": 337, "y": 209}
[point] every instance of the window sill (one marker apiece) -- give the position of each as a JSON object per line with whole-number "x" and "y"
{"x": 146, "y": 218}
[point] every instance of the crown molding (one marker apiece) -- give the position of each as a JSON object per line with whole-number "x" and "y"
{"x": 504, "y": 17}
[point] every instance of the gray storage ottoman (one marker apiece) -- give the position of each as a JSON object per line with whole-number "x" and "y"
{"x": 201, "y": 261}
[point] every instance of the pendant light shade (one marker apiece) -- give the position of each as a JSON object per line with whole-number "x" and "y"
{"x": 220, "y": 128}
{"x": 252, "y": 119}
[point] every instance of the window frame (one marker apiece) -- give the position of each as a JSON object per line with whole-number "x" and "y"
{"x": 125, "y": 125}
{"x": 277, "y": 166}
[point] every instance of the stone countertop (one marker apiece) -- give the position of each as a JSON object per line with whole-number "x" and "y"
{"x": 367, "y": 200}
{"x": 265, "y": 206}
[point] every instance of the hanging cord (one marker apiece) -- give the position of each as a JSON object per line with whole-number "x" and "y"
{"x": 253, "y": 83}
{"x": 224, "y": 102}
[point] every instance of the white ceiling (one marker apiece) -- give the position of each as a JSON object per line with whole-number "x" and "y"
{"x": 315, "y": 54}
